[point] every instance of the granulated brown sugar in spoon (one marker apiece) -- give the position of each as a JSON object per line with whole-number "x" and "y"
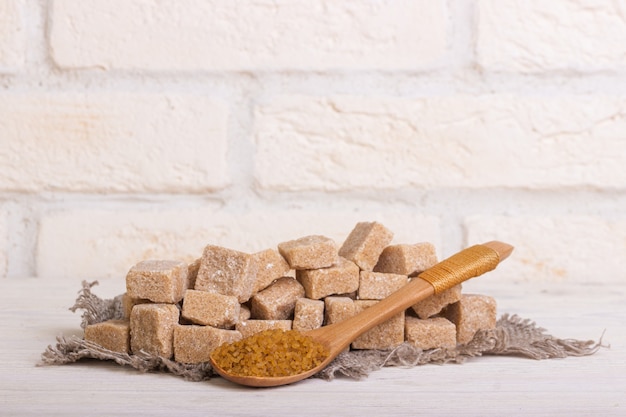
{"x": 295, "y": 348}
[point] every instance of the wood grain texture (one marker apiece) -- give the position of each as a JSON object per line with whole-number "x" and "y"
{"x": 34, "y": 311}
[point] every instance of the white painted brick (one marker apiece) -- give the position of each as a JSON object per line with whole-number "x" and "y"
{"x": 98, "y": 243}
{"x": 4, "y": 243}
{"x": 93, "y": 244}
{"x": 248, "y": 35}
{"x": 12, "y": 35}
{"x": 537, "y": 35}
{"x": 344, "y": 143}
{"x": 568, "y": 248}
{"x": 112, "y": 142}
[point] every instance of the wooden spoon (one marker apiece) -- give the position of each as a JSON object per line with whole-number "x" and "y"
{"x": 337, "y": 337}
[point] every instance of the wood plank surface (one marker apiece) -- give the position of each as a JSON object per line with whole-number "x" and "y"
{"x": 34, "y": 311}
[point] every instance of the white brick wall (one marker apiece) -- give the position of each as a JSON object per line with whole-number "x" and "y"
{"x": 4, "y": 242}
{"x": 537, "y": 35}
{"x": 12, "y": 35}
{"x": 106, "y": 243}
{"x": 556, "y": 248}
{"x": 342, "y": 143}
{"x": 119, "y": 142}
{"x": 132, "y": 129}
{"x": 248, "y": 35}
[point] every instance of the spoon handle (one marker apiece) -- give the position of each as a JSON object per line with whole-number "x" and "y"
{"x": 469, "y": 263}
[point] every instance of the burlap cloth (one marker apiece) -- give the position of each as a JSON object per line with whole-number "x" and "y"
{"x": 513, "y": 335}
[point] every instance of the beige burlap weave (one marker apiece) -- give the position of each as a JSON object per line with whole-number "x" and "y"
{"x": 512, "y": 336}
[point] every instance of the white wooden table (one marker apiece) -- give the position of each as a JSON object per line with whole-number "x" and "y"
{"x": 34, "y": 311}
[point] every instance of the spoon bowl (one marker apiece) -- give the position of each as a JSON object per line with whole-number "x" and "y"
{"x": 337, "y": 337}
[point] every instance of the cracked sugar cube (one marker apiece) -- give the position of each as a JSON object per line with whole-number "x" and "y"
{"x": 211, "y": 309}
{"x": 278, "y": 301}
{"x": 365, "y": 243}
{"x": 407, "y": 259}
{"x": 157, "y": 281}
{"x": 250, "y": 327}
{"x": 435, "y": 303}
{"x": 113, "y": 335}
{"x": 337, "y": 309}
{"x": 436, "y": 332}
{"x": 152, "y": 329}
{"x": 309, "y": 252}
{"x": 194, "y": 344}
{"x": 226, "y": 271}
{"x": 386, "y": 335}
{"x": 308, "y": 314}
{"x": 341, "y": 278}
{"x": 470, "y": 314}
{"x": 378, "y": 285}
{"x": 270, "y": 265}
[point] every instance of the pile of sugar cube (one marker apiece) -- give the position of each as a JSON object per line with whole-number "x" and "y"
{"x": 184, "y": 311}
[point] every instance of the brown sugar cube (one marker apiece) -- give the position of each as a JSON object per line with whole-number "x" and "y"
{"x": 226, "y": 271}
{"x": 378, "y": 285}
{"x": 244, "y": 313}
{"x": 308, "y": 314}
{"x": 386, "y": 335}
{"x": 112, "y": 334}
{"x": 435, "y": 303}
{"x": 152, "y": 329}
{"x": 270, "y": 266}
{"x": 343, "y": 277}
{"x": 471, "y": 313}
{"x": 365, "y": 243}
{"x": 407, "y": 259}
{"x": 211, "y": 309}
{"x": 436, "y": 332}
{"x": 157, "y": 281}
{"x": 192, "y": 274}
{"x": 194, "y": 344}
{"x": 353, "y": 295}
{"x": 250, "y": 327}
{"x": 278, "y": 301}
{"x": 129, "y": 302}
{"x": 337, "y": 309}
{"x": 309, "y": 252}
